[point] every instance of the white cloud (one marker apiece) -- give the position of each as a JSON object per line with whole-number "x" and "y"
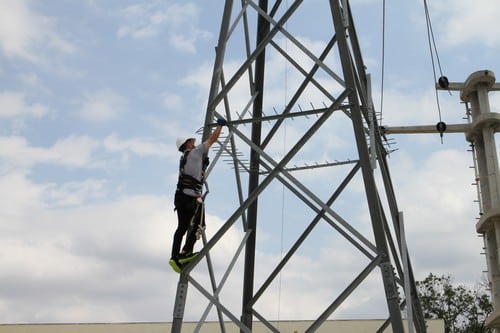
{"x": 23, "y": 32}
{"x": 187, "y": 43}
{"x": 14, "y": 104}
{"x": 138, "y": 146}
{"x": 420, "y": 108}
{"x": 199, "y": 79}
{"x": 466, "y": 24}
{"x": 437, "y": 198}
{"x": 30, "y": 78}
{"x": 151, "y": 19}
{"x": 102, "y": 106}
{"x": 75, "y": 193}
{"x": 142, "y": 28}
{"x": 20, "y": 196}
{"x": 86, "y": 258}
{"x": 16, "y": 152}
{"x": 74, "y": 151}
{"x": 172, "y": 102}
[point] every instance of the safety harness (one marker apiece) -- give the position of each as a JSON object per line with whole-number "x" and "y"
{"x": 187, "y": 181}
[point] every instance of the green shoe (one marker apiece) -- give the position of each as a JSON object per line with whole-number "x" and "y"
{"x": 176, "y": 265}
{"x": 185, "y": 258}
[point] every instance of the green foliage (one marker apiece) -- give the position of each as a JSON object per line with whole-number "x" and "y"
{"x": 462, "y": 309}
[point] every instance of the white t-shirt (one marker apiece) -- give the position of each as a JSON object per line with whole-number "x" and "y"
{"x": 194, "y": 165}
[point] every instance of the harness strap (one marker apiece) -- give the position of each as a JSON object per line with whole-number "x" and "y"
{"x": 189, "y": 182}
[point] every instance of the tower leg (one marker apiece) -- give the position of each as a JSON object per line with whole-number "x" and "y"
{"x": 180, "y": 302}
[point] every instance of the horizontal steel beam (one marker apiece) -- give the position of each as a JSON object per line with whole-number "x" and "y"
{"x": 424, "y": 129}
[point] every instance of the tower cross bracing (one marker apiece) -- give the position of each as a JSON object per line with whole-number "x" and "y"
{"x": 301, "y": 126}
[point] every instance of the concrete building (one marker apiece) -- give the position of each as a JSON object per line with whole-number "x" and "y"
{"x": 337, "y": 326}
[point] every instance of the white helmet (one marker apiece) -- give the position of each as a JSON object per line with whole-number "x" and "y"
{"x": 181, "y": 141}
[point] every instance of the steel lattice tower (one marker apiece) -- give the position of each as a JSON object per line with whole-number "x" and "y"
{"x": 331, "y": 76}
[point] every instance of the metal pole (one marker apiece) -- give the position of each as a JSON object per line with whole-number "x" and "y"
{"x": 217, "y": 71}
{"x": 253, "y": 181}
{"x": 180, "y": 302}
{"x": 388, "y": 278}
{"x": 182, "y": 286}
{"x": 482, "y": 135}
{"x": 404, "y": 255}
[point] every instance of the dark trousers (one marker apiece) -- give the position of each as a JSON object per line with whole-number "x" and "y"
{"x": 190, "y": 215}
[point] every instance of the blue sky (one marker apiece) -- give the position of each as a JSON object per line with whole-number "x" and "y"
{"x": 94, "y": 94}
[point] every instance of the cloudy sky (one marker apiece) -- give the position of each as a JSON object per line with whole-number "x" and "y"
{"x": 92, "y": 97}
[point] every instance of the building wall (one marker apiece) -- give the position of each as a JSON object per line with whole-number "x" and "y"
{"x": 337, "y": 326}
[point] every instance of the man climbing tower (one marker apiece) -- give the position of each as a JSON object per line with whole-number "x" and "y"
{"x": 188, "y": 196}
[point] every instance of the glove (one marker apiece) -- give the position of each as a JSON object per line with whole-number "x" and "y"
{"x": 221, "y": 122}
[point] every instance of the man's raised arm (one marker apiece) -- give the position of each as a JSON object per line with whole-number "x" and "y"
{"x": 215, "y": 134}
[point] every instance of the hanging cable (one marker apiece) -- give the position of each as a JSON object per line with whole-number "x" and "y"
{"x": 432, "y": 41}
{"x": 443, "y": 80}
{"x": 282, "y": 226}
{"x": 283, "y": 186}
{"x": 383, "y": 63}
